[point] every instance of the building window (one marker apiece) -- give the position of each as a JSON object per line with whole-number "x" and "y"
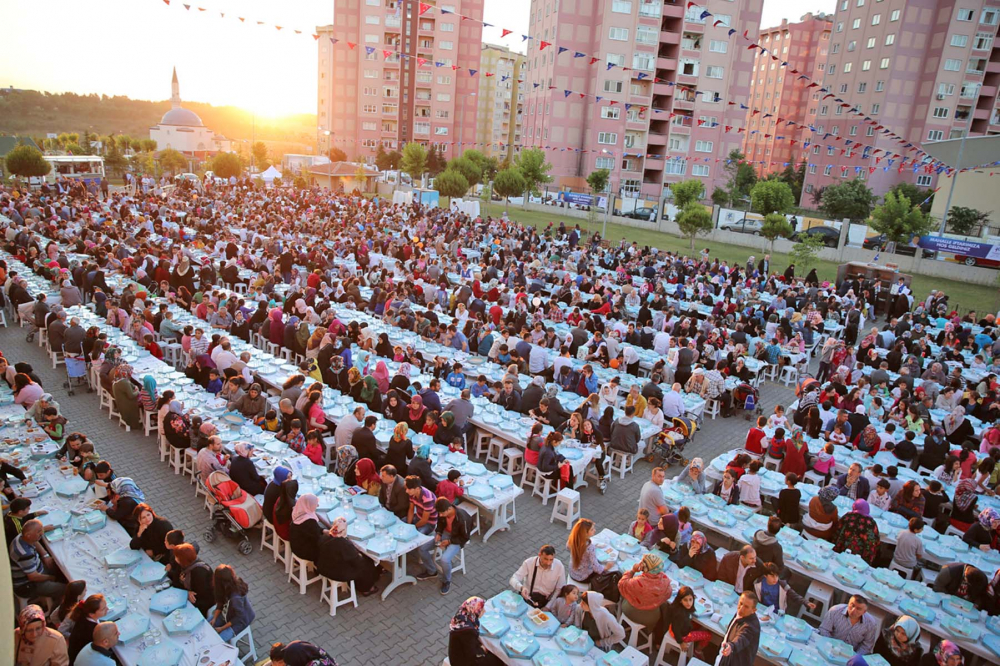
{"x": 966, "y": 14}
{"x": 724, "y": 20}
{"x": 879, "y": 86}
{"x": 847, "y": 67}
{"x": 866, "y": 65}
{"x": 862, "y": 86}
{"x": 445, "y": 80}
{"x": 946, "y": 89}
{"x": 856, "y": 24}
{"x": 851, "y": 45}
{"x": 645, "y": 34}
{"x": 823, "y": 110}
{"x": 703, "y": 146}
{"x": 610, "y": 112}
{"x": 876, "y": 19}
{"x": 890, "y": 39}
{"x": 607, "y": 138}
{"x": 441, "y": 131}
{"x": 447, "y": 27}
{"x": 959, "y": 40}
{"x": 372, "y": 20}
{"x": 871, "y": 43}
{"x": 935, "y": 135}
{"x": 699, "y": 170}
{"x": 852, "y": 130}
{"x": 645, "y": 61}
{"x": 604, "y": 163}
{"x": 621, "y": 6}
{"x": 870, "y": 131}
{"x": 710, "y": 97}
{"x": 883, "y": 63}
{"x": 894, "y": 15}
{"x": 827, "y": 169}
{"x": 447, "y": 46}
{"x": 836, "y": 48}
{"x": 715, "y": 72}
{"x": 689, "y": 67}
{"x": 718, "y": 46}
{"x": 952, "y": 65}
{"x": 924, "y": 180}
{"x": 369, "y": 108}
{"x": 369, "y": 126}
{"x": 372, "y": 39}
{"x": 812, "y": 168}
{"x": 983, "y": 41}
{"x": 875, "y": 108}
{"x": 444, "y": 97}
{"x": 940, "y": 112}
{"x": 989, "y": 16}
{"x": 618, "y": 34}
{"x": 613, "y": 86}
{"x": 840, "y": 26}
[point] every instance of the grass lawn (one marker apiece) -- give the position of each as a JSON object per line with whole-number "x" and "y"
{"x": 962, "y": 295}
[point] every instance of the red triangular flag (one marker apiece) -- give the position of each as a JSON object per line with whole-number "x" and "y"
{"x": 351, "y": 45}
{"x": 316, "y": 37}
{"x": 543, "y": 44}
{"x": 505, "y": 32}
{"x": 166, "y": 2}
{"x": 593, "y": 60}
{"x": 488, "y": 74}
{"x": 424, "y": 7}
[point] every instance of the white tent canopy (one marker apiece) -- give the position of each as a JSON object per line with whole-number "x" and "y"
{"x": 271, "y": 173}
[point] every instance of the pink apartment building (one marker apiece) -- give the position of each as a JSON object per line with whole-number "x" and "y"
{"x": 766, "y": 142}
{"x": 367, "y": 98}
{"x": 926, "y": 70}
{"x": 655, "y": 39}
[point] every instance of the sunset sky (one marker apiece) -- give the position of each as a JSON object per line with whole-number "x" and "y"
{"x": 129, "y": 47}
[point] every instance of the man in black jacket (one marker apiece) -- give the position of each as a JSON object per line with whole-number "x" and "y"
{"x": 452, "y": 535}
{"x": 392, "y": 495}
{"x": 742, "y": 637}
{"x": 363, "y": 440}
{"x": 962, "y": 580}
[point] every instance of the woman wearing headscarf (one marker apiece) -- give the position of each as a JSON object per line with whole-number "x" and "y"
{"x": 251, "y": 404}
{"x": 944, "y": 653}
{"x": 355, "y": 383}
{"x": 957, "y": 428}
{"x": 446, "y": 432}
{"x": 148, "y": 394}
{"x": 795, "y": 452}
{"x": 277, "y": 328}
{"x": 697, "y": 554}
{"x": 381, "y": 376}
{"x": 126, "y": 397}
{"x": 282, "y": 519}
{"x": 244, "y": 472}
{"x": 240, "y": 327}
{"x": 965, "y": 510}
{"x": 383, "y": 348}
{"x": 112, "y": 358}
{"x": 305, "y": 530}
{"x": 868, "y": 440}
{"x": 366, "y": 476}
{"x": 347, "y": 455}
{"x": 338, "y": 559}
{"x": 464, "y": 646}
{"x": 125, "y": 496}
{"x": 401, "y": 380}
{"x": 821, "y": 521}
{"x": 984, "y": 534}
{"x": 273, "y": 491}
{"x": 400, "y": 449}
{"x": 598, "y": 621}
{"x": 643, "y": 594}
{"x": 416, "y": 415}
{"x": 315, "y": 342}
{"x": 899, "y": 644}
{"x": 70, "y": 294}
{"x": 35, "y": 644}
{"x": 665, "y": 536}
{"x": 393, "y": 408}
{"x": 370, "y": 394}
{"x": 858, "y": 533}
{"x": 421, "y": 466}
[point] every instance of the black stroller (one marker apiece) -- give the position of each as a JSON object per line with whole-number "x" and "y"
{"x": 670, "y": 443}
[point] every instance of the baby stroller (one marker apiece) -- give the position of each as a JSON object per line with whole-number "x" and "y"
{"x": 76, "y": 372}
{"x": 747, "y": 398}
{"x": 234, "y": 510}
{"x": 671, "y": 441}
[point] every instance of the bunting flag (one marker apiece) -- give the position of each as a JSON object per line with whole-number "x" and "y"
{"x": 424, "y": 7}
{"x": 505, "y": 32}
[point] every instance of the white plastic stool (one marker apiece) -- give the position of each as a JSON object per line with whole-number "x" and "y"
{"x": 667, "y": 646}
{"x": 190, "y": 467}
{"x": 634, "y": 629}
{"x": 530, "y": 476}
{"x": 820, "y": 594}
{"x": 456, "y": 567}
{"x": 566, "y": 508}
{"x": 494, "y": 452}
{"x": 512, "y": 461}
{"x": 954, "y": 531}
{"x": 772, "y": 463}
{"x": 789, "y": 375}
{"x": 251, "y": 654}
{"x": 472, "y": 511}
{"x": 330, "y": 593}
{"x": 150, "y": 420}
{"x": 544, "y": 488}
{"x": 298, "y": 572}
{"x": 713, "y": 408}
{"x": 482, "y": 443}
{"x": 814, "y": 477}
{"x": 907, "y": 573}
{"x": 268, "y": 538}
{"x": 621, "y": 462}
{"x": 177, "y": 459}
{"x": 164, "y": 447}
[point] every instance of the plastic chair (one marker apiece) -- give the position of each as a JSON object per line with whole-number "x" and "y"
{"x": 251, "y": 654}
{"x": 566, "y": 508}
{"x": 298, "y": 572}
{"x": 330, "y": 593}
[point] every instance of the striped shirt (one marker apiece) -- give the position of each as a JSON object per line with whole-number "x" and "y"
{"x": 424, "y": 503}
{"x": 24, "y": 560}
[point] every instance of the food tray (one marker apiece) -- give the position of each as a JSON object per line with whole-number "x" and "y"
{"x": 918, "y": 609}
{"x": 169, "y": 600}
{"x": 550, "y": 657}
{"x": 962, "y": 627}
{"x": 494, "y": 624}
{"x": 612, "y": 658}
{"x": 849, "y": 577}
{"x": 519, "y": 647}
{"x": 721, "y": 518}
{"x": 836, "y": 651}
{"x": 184, "y": 620}
{"x": 796, "y": 629}
{"x": 959, "y": 607}
{"x": 851, "y": 561}
{"x": 574, "y": 641}
{"x": 403, "y": 532}
{"x": 501, "y": 482}
{"x": 365, "y": 503}
{"x": 148, "y": 573}
{"x": 89, "y": 522}
{"x": 541, "y": 623}
{"x": 166, "y": 653}
{"x": 360, "y": 530}
{"x": 690, "y": 576}
{"x": 774, "y": 647}
{"x": 880, "y": 592}
{"x": 71, "y": 487}
{"x": 888, "y": 577}
{"x": 510, "y": 604}
{"x": 626, "y": 544}
{"x": 480, "y": 491}
{"x": 382, "y": 518}
{"x": 122, "y": 558}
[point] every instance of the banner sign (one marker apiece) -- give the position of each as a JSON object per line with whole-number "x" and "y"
{"x": 962, "y": 247}
{"x": 576, "y": 198}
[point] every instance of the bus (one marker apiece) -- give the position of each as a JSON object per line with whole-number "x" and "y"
{"x": 76, "y": 167}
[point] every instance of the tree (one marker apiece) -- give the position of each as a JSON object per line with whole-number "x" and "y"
{"x": 361, "y": 178}
{"x": 114, "y": 161}
{"x": 382, "y": 159}
{"x": 300, "y": 183}
{"x": 172, "y": 161}
{"x": 694, "y": 219}
{"x": 720, "y": 197}
{"x": 851, "y": 200}
{"x": 149, "y": 145}
{"x": 226, "y": 165}
{"x": 964, "y": 220}
{"x": 817, "y": 196}
{"x": 598, "y": 180}
{"x": 685, "y": 192}
{"x": 451, "y": 183}
{"x": 27, "y": 162}
{"x": 742, "y": 176}
{"x": 468, "y": 168}
{"x": 917, "y": 195}
{"x": 794, "y": 176}
{"x": 75, "y": 149}
{"x": 395, "y": 157}
{"x": 414, "y": 160}
{"x": 509, "y": 183}
{"x": 336, "y": 155}
{"x": 771, "y": 196}
{"x": 534, "y": 169}
{"x": 805, "y": 251}
{"x": 435, "y": 162}
{"x": 899, "y": 219}
{"x": 775, "y": 225}
{"x": 487, "y": 165}
{"x": 259, "y": 151}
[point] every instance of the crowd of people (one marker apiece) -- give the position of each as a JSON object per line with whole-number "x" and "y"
{"x": 286, "y": 267}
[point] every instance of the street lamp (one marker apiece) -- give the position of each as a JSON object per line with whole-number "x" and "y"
{"x": 325, "y": 132}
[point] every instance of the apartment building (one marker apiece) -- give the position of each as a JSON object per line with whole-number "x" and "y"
{"x": 500, "y": 101}
{"x": 404, "y": 80}
{"x": 804, "y": 45}
{"x": 926, "y": 70}
{"x": 679, "y": 129}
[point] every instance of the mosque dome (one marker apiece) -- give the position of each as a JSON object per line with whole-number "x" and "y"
{"x": 181, "y": 116}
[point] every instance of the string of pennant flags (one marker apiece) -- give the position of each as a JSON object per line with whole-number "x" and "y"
{"x": 920, "y": 161}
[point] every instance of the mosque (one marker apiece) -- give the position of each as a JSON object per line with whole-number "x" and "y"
{"x": 182, "y": 130}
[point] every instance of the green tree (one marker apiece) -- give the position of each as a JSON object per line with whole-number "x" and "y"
{"x": 26, "y": 161}
{"x": 259, "y": 151}
{"x": 964, "y": 220}
{"x": 775, "y": 225}
{"x": 794, "y": 176}
{"x": 742, "y": 176}
{"x": 114, "y": 161}
{"x": 75, "y": 149}
{"x": 817, "y": 196}
{"x": 916, "y": 195}
{"x": 225, "y": 165}
{"x": 509, "y": 183}
{"x": 414, "y": 160}
{"x": 395, "y": 157}
{"x": 468, "y": 168}
{"x": 435, "y": 161}
{"x": 534, "y": 169}
{"x": 149, "y": 145}
{"x": 451, "y": 182}
{"x": 300, "y": 183}
{"x": 361, "y": 178}
{"x": 694, "y": 219}
{"x": 382, "y": 159}
{"x": 172, "y": 161}
{"x": 336, "y": 155}
{"x": 487, "y": 165}
{"x": 771, "y": 196}
{"x": 851, "y": 200}
{"x": 685, "y": 192}
{"x": 720, "y": 197}
{"x": 598, "y": 180}
{"x": 804, "y": 252}
{"x": 899, "y": 219}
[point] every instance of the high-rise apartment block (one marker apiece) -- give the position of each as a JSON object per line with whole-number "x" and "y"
{"x": 498, "y": 129}
{"x": 399, "y": 81}
{"x": 771, "y": 143}
{"x": 925, "y": 70}
{"x": 678, "y": 129}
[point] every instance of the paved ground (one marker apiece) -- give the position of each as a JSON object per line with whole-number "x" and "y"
{"x": 411, "y": 627}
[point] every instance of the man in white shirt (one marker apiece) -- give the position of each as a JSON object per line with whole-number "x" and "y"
{"x": 539, "y": 578}
{"x": 223, "y": 355}
{"x": 673, "y": 404}
{"x": 537, "y": 359}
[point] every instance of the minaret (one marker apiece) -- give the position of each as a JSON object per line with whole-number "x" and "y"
{"x": 175, "y": 92}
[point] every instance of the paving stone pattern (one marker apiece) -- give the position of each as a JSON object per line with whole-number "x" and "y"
{"x": 411, "y": 626}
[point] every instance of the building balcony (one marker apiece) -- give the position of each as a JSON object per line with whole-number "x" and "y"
{"x": 637, "y": 124}
{"x": 982, "y": 114}
{"x": 680, "y": 130}
{"x": 662, "y": 89}
{"x": 666, "y": 63}
{"x": 988, "y": 93}
{"x": 389, "y": 133}
{"x": 654, "y": 164}
{"x": 673, "y": 10}
{"x": 669, "y": 37}
{"x": 683, "y": 103}
{"x": 655, "y": 139}
{"x": 687, "y": 79}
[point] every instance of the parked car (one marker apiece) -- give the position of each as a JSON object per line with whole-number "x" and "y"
{"x": 977, "y": 261}
{"x": 644, "y": 214}
{"x": 829, "y": 235}
{"x": 879, "y": 241}
{"x": 747, "y": 226}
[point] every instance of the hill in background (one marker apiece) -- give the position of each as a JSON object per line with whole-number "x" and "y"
{"x": 34, "y": 113}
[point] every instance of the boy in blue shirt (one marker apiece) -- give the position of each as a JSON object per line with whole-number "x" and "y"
{"x": 456, "y": 378}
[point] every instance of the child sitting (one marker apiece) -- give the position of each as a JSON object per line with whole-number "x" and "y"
{"x": 880, "y": 497}
{"x": 838, "y": 436}
{"x": 776, "y": 449}
{"x": 87, "y": 453}
{"x": 271, "y": 422}
{"x": 825, "y": 461}
{"x": 456, "y": 446}
{"x": 481, "y": 387}
{"x": 432, "y": 423}
{"x": 778, "y": 419}
{"x": 449, "y": 488}
{"x": 565, "y": 606}
{"x": 315, "y": 450}
{"x": 214, "y": 382}
{"x": 640, "y": 527}
{"x": 789, "y": 501}
{"x": 294, "y": 438}
{"x": 54, "y": 425}
{"x": 456, "y": 378}
{"x": 756, "y": 436}
{"x": 684, "y": 528}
